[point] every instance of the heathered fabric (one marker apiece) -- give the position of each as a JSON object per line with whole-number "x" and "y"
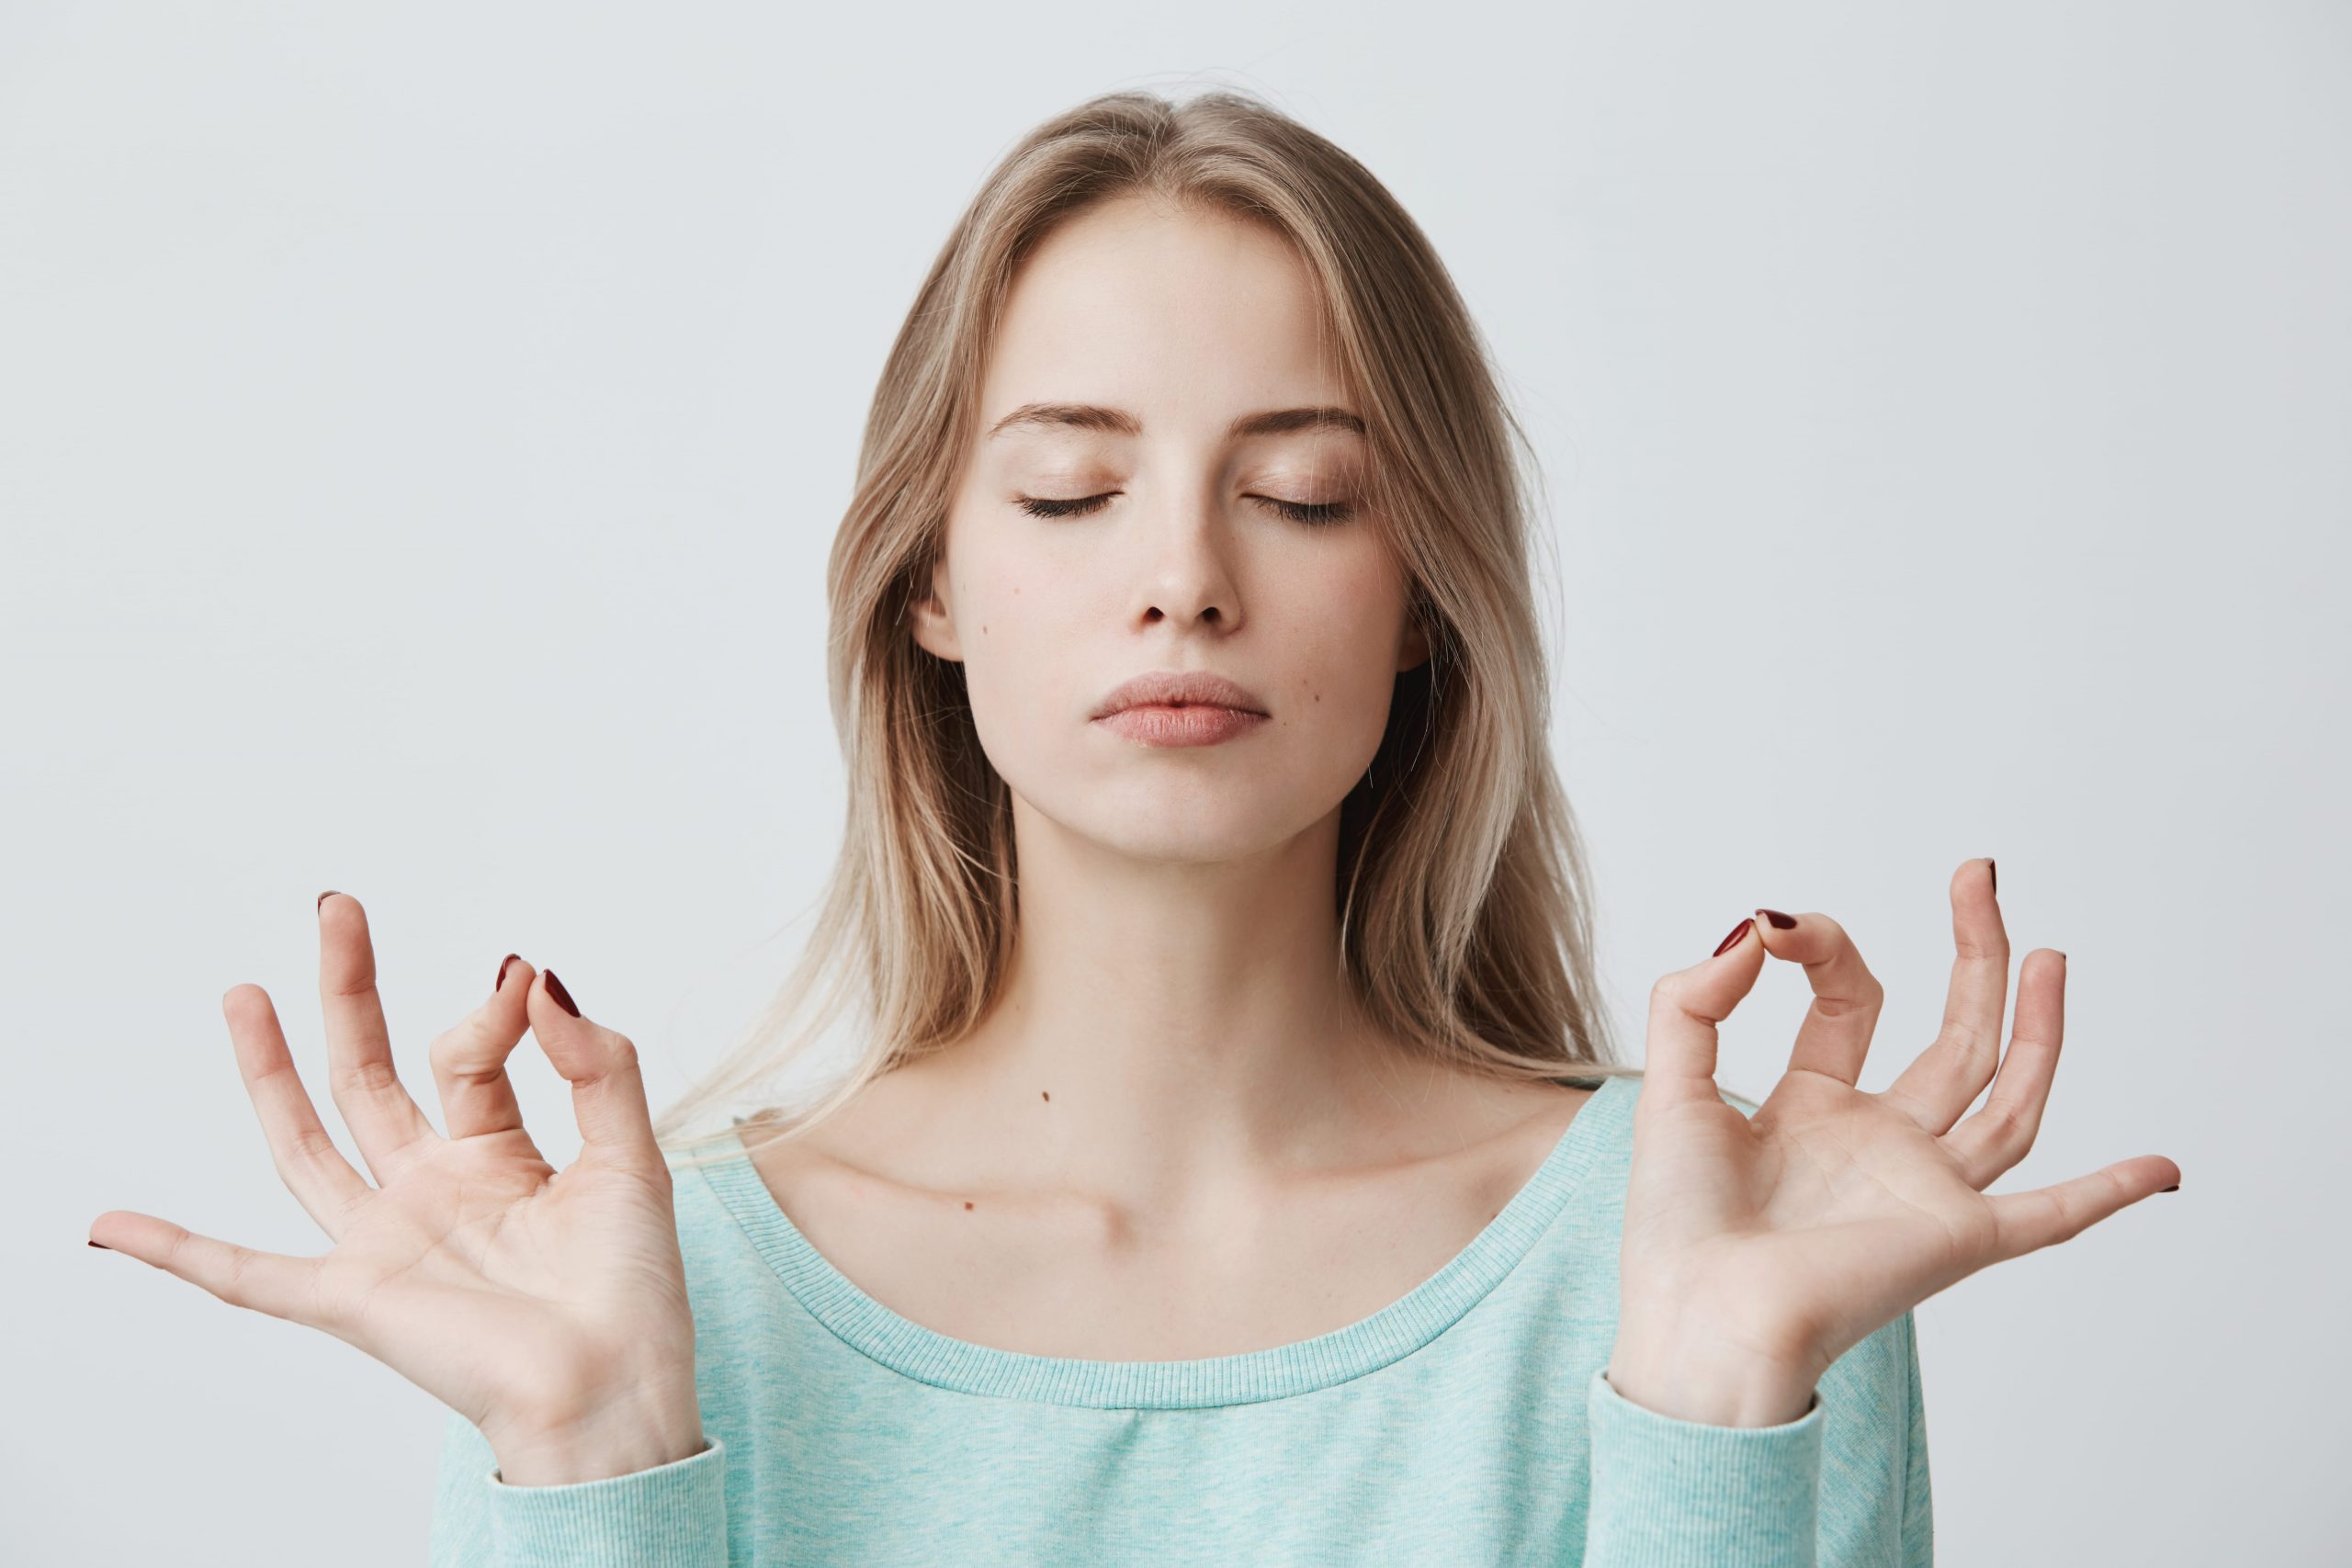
{"x": 1469, "y": 1422}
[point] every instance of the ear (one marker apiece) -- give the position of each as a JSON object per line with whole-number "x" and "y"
{"x": 934, "y": 623}
{"x": 1416, "y": 647}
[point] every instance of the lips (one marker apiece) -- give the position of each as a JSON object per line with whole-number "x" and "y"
{"x": 1195, "y": 724}
{"x": 1180, "y": 689}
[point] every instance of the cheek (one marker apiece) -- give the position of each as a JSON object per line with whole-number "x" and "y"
{"x": 1339, "y": 646}
{"x": 1017, "y": 632}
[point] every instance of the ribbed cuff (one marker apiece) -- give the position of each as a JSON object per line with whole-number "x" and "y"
{"x": 1672, "y": 1493}
{"x": 673, "y": 1515}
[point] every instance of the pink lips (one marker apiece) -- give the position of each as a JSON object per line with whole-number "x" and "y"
{"x": 1156, "y": 724}
{"x": 1170, "y": 707}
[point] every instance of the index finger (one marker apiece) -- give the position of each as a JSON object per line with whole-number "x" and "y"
{"x": 1835, "y": 1037}
{"x": 607, "y": 1089}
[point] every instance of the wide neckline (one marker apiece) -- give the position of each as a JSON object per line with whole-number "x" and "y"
{"x": 1246, "y": 1377}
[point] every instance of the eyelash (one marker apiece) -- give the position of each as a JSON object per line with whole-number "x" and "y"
{"x": 1315, "y": 514}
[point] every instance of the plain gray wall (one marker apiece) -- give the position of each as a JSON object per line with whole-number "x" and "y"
{"x": 422, "y": 428}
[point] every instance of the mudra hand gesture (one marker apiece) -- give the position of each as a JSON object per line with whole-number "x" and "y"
{"x": 1757, "y": 1250}
{"x": 549, "y": 1309}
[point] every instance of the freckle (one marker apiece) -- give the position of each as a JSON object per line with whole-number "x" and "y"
{"x": 968, "y": 1202}
{"x": 1047, "y": 1096}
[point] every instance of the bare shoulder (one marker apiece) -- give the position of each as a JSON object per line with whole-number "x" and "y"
{"x": 1483, "y": 1138}
{"x": 1544, "y": 1111}
{"x": 846, "y": 1152}
{"x": 1523, "y": 1107}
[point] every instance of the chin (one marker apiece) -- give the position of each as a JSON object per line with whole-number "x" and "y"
{"x": 1193, "y": 822}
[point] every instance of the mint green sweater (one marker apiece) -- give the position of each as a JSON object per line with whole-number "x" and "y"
{"x": 1469, "y": 1422}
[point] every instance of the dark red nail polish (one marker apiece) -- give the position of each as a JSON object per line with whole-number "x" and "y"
{"x": 1994, "y": 872}
{"x": 323, "y": 899}
{"x": 562, "y": 997}
{"x": 1780, "y": 921}
{"x": 1737, "y": 931}
{"x": 102, "y": 1246}
{"x": 503, "y": 964}
{"x": 2174, "y": 1187}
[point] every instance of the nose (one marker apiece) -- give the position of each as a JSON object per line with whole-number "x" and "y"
{"x": 1187, "y": 575}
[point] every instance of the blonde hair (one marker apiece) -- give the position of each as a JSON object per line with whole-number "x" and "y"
{"x": 1463, "y": 914}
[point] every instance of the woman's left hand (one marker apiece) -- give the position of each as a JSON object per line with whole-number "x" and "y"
{"x": 1758, "y": 1249}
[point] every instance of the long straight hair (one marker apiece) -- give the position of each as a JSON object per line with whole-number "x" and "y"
{"x": 1463, "y": 910}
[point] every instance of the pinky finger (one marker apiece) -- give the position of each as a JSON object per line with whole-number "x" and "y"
{"x": 2028, "y": 1222}
{"x": 267, "y": 1282}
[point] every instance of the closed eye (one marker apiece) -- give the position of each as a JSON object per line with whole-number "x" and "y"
{"x": 1318, "y": 513}
{"x": 1077, "y": 507}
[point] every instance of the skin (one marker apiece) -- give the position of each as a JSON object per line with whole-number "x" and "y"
{"x": 1176, "y": 1118}
{"x": 1175, "y": 1135}
{"x": 1757, "y": 1251}
{"x": 548, "y": 1308}
{"x": 1173, "y": 979}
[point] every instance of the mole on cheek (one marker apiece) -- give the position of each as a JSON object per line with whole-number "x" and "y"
{"x": 968, "y": 1202}
{"x": 1046, "y": 1094}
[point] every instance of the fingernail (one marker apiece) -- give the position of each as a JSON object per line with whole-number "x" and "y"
{"x": 1780, "y": 921}
{"x": 562, "y": 997}
{"x": 502, "y": 965}
{"x": 1736, "y": 932}
{"x": 102, "y": 1246}
{"x": 1994, "y": 872}
{"x": 323, "y": 899}
{"x": 2174, "y": 1187}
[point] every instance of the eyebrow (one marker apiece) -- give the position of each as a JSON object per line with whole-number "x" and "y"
{"x": 1118, "y": 422}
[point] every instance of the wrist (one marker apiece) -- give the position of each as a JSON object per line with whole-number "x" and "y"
{"x": 1709, "y": 1383}
{"x": 616, "y": 1435}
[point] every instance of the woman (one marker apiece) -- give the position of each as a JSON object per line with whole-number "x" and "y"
{"x": 1233, "y": 1171}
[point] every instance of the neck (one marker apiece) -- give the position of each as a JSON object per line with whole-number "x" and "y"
{"x": 1170, "y": 1028}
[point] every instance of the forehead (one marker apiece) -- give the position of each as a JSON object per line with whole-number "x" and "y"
{"x": 1140, "y": 305}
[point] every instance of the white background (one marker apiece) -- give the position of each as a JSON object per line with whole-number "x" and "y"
{"x": 422, "y": 428}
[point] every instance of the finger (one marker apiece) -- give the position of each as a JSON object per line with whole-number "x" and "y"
{"x": 313, "y": 1169}
{"x": 2027, "y": 1222}
{"x": 1836, "y": 1034}
{"x": 2000, "y": 1132}
{"x": 259, "y": 1281}
{"x": 383, "y": 1119}
{"x": 1946, "y": 1079}
{"x": 1685, "y": 1008}
{"x": 469, "y": 1060}
{"x": 607, "y": 1092}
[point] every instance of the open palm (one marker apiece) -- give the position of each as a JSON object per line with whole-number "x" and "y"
{"x": 1767, "y": 1246}
{"x": 531, "y": 1302}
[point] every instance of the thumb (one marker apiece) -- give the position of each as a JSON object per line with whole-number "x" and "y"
{"x": 608, "y": 1091}
{"x": 1686, "y": 1006}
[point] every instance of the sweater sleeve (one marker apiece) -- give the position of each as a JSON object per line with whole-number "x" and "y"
{"x": 673, "y": 1515}
{"x": 1844, "y": 1486}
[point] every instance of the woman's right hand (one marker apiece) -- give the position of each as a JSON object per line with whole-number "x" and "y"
{"x": 548, "y": 1308}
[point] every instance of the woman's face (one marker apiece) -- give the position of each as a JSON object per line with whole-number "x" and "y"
{"x": 1141, "y": 343}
